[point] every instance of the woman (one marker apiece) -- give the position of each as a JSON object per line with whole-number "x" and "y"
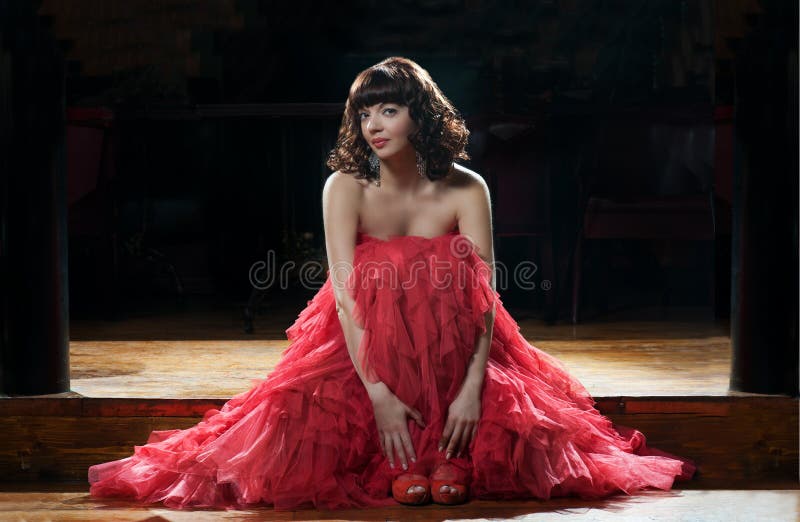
{"x": 406, "y": 380}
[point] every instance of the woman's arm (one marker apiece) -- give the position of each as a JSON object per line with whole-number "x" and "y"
{"x": 340, "y": 202}
{"x": 475, "y": 222}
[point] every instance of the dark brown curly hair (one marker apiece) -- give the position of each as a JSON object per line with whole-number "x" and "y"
{"x": 441, "y": 134}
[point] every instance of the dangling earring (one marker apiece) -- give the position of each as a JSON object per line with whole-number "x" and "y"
{"x": 422, "y": 165}
{"x": 375, "y": 167}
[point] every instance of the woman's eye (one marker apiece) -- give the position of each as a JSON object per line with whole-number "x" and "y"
{"x": 361, "y": 115}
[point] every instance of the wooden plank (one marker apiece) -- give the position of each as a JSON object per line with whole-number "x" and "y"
{"x": 62, "y": 448}
{"x": 202, "y": 355}
{"x": 708, "y": 407}
{"x": 150, "y": 407}
{"x": 751, "y": 439}
{"x": 756, "y": 440}
{"x": 21, "y": 406}
{"x": 695, "y": 505}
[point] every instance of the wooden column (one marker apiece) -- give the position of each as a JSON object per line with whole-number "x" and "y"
{"x": 764, "y": 307}
{"x": 34, "y": 339}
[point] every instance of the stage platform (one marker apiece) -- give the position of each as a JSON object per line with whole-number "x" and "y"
{"x": 662, "y": 372}
{"x": 668, "y": 506}
{"x": 205, "y": 354}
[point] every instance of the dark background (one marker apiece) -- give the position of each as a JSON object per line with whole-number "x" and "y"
{"x": 208, "y": 175}
{"x": 196, "y": 135}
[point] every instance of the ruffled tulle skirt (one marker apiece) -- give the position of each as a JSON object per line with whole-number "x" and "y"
{"x": 305, "y": 436}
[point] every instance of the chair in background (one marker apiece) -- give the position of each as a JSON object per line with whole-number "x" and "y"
{"x": 650, "y": 178}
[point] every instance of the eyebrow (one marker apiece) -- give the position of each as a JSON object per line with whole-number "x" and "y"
{"x": 379, "y": 106}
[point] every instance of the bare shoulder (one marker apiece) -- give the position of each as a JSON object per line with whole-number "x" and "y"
{"x": 466, "y": 184}
{"x": 341, "y": 186}
{"x": 473, "y": 209}
{"x": 341, "y": 203}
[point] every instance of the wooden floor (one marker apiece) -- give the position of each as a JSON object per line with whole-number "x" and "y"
{"x": 206, "y": 355}
{"x": 675, "y": 505}
{"x": 662, "y": 371}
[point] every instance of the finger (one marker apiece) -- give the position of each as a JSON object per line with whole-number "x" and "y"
{"x": 474, "y": 433}
{"x": 398, "y": 447}
{"x": 389, "y": 450}
{"x": 448, "y": 431}
{"x": 417, "y": 416}
{"x": 465, "y": 436}
{"x": 408, "y": 446}
{"x": 383, "y": 445}
{"x": 454, "y": 440}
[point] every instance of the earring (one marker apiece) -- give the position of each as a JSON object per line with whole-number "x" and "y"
{"x": 422, "y": 165}
{"x": 375, "y": 167}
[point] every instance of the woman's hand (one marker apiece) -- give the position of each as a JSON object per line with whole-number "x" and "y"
{"x": 462, "y": 421}
{"x": 391, "y": 417}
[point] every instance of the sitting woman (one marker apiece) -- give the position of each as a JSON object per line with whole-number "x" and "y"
{"x": 406, "y": 380}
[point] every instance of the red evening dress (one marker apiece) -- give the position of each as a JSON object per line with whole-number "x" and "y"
{"x": 305, "y": 436}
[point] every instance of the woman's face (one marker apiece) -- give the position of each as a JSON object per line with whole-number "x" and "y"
{"x": 385, "y": 127}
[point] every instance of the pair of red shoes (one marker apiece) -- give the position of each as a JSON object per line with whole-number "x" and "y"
{"x": 445, "y": 474}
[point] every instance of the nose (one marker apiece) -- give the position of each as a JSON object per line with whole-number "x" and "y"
{"x": 373, "y": 124}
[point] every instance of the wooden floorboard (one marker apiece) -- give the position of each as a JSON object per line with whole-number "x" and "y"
{"x": 653, "y": 505}
{"x": 737, "y": 442}
{"x": 207, "y": 355}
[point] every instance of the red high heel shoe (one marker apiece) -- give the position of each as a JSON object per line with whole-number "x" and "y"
{"x": 447, "y": 474}
{"x": 404, "y": 482}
